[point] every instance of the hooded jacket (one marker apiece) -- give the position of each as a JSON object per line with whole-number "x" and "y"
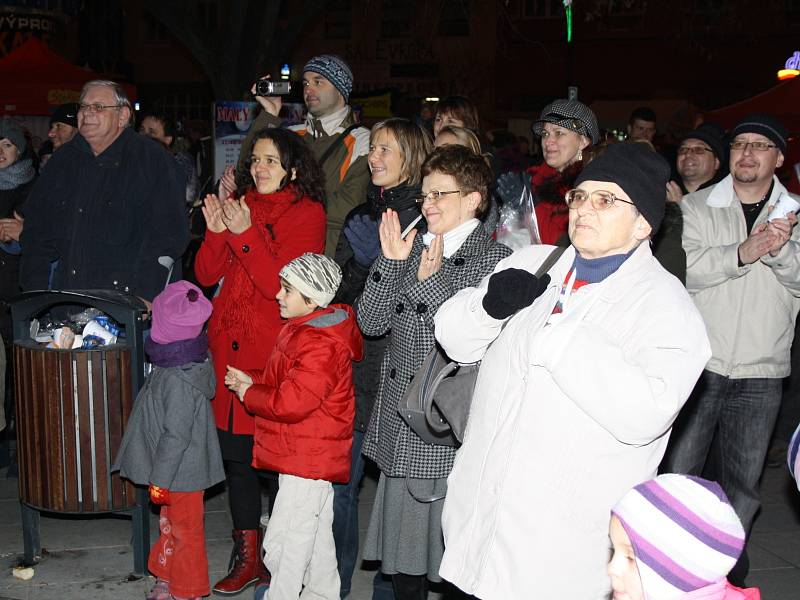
{"x": 170, "y": 439}
{"x": 303, "y": 399}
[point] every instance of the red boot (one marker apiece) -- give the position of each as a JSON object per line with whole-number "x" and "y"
{"x": 245, "y": 566}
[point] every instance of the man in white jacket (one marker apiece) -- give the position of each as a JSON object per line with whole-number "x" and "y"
{"x": 583, "y": 373}
{"x": 743, "y": 273}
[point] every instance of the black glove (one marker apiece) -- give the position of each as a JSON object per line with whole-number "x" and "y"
{"x": 362, "y": 233}
{"x": 512, "y": 289}
{"x": 510, "y": 186}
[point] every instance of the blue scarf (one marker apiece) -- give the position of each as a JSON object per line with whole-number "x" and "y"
{"x": 595, "y": 270}
{"x": 20, "y": 173}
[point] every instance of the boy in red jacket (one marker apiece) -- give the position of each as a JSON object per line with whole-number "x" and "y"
{"x": 304, "y": 406}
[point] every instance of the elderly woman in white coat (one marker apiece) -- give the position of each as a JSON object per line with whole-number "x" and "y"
{"x": 583, "y": 372}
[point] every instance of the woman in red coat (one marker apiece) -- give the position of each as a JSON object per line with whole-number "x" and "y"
{"x": 249, "y": 238}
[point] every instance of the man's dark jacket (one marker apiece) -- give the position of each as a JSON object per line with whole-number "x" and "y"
{"x": 106, "y": 219}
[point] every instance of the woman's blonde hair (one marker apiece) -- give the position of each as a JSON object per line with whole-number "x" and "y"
{"x": 465, "y": 137}
{"x": 414, "y": 142}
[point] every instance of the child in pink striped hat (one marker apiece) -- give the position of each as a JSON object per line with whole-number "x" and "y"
{"x": 675, "y": 537}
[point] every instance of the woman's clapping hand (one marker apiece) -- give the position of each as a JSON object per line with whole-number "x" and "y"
{"x": 393, "y": 246}
{"x": 212, "y": 212}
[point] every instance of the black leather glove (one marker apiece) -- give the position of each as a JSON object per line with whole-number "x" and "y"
{"x": 510, "y": 186}
{"x": 512, "y": 289}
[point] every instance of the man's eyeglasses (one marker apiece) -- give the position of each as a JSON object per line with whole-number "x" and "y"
{"x": 96, "y": 108}
{"x": 757, "y": 146}
{"x": 600, "y": 199}
{"x": 696, "y": 150}
{"x": 434, "y": 196}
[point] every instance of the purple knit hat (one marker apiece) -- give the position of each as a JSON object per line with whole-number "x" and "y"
{"x": 684, "y": 532}
{"x": 179, "y": 313}
{"x": 793, "y": 456}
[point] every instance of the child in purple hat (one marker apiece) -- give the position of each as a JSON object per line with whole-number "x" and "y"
{"x": 170, "y": 442}
{"x": 675, "y": 537}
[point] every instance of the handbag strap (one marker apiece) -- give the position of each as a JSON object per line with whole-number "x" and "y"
{"x": 551, "y": 259}
{"x": 335, "y": 144}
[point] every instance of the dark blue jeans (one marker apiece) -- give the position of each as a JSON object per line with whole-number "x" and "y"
{"x": 345, "y": 516}
{"x": 738, "y": 416}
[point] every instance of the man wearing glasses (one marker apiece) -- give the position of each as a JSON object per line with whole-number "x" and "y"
{"x": 583, "y": 371}
{"x": 743, "y": 272}
{"x": 700, "y": 156}
{"x": 107, "y": 213}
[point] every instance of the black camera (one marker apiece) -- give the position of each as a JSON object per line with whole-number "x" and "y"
{"x": 266, "y": 87}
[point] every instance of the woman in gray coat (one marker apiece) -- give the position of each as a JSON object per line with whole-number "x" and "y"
{"x": 413, "y": 276}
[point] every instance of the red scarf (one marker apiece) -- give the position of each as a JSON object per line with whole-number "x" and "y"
{"x": 235, "y": 311}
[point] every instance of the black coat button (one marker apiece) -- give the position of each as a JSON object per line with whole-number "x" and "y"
{"x": 392, "y": 373}
{"x": 245, "y": 248}
{"x": 422, "y": 308}
{"x": 458, "y": 261}
{"x": 376, "y": 277}
{"x": 399, "y": 308}
{"x": 235, "y": 345}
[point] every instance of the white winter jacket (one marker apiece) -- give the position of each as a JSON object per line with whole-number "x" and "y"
{"x": 565, "y": 419}
{"x": 749, "y": 311}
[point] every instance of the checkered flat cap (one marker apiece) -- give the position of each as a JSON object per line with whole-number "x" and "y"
{"x": 569, "y": 114}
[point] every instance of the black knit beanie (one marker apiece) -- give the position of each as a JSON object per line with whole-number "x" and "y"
{"x": 641, "y": 172}
{"x": 766, "y": 125}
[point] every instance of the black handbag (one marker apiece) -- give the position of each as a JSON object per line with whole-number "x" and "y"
{"x": 437, "y": 401}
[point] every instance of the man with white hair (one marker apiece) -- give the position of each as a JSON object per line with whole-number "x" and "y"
{"x": 108, "y": 211}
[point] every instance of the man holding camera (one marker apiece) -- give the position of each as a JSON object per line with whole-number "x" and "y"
{"x": 331, "y": 132}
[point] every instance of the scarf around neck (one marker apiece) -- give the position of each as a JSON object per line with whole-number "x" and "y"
{"x": 176, "y": 354}
{"x": 455, "y": 238}
{"x": 237, "y": 314}
{"x": 399, "y": 198}
{"x": 20, "y": 173}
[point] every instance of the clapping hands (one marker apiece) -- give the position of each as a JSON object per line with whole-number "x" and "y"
{"x": 238, "y": 381}
{"x": 11, "y": 228}
{"x": 393, "y": 245}
{"x": 230, "y": 214}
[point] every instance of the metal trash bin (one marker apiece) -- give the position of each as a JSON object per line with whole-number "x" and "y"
{"x": 72, "y": 407}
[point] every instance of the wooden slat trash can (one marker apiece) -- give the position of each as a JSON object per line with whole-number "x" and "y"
{"x": 72, "y": 407}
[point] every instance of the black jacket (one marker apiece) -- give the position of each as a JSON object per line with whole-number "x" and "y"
{"x": 367, "y": 372}
{"x": 106, "y": 219}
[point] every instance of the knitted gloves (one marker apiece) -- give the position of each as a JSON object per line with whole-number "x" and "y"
{"x": 510, "y": 186}
{"x": 512, "y": 289}
{"x": 159, "y": 495}
{"x": 362, "y": 233}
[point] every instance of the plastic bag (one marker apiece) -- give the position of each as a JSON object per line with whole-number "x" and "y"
{"x": 518, "y": 226}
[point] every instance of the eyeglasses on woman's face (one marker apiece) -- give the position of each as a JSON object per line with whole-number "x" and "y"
{"x": 434, "y": 196}
{"x": 599, "y": 199}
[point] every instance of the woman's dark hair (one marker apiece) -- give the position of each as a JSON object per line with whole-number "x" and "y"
{"x": 461, "y": 108}
{"x": 295, "y": 155}
{"x": 471, "y": 172}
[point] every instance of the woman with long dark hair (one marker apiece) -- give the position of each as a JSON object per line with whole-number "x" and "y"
{"x": 276, "y": 214}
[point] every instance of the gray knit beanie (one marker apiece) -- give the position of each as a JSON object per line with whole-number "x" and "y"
{"x": 12, "y": 131}
{"x": 315, "y": 276}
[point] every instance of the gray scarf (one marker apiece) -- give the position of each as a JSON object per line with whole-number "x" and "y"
{"x": 20, "y": 173}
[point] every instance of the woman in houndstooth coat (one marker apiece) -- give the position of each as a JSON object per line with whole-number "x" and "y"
{"x": 407, "y": 284}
